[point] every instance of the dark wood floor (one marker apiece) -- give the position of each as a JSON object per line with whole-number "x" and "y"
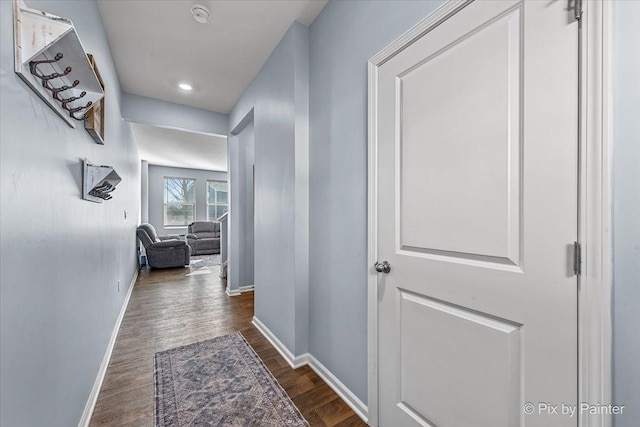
{"x": 174, "y": 307}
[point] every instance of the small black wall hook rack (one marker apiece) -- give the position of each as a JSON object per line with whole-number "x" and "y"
{"x": 50, "y": 59}
{"x": 46, "y": 78}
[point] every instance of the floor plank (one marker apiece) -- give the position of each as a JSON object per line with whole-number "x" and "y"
{"x": 174, "y": 307}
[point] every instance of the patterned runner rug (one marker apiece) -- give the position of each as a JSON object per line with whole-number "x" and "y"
{"x": 219, "y": 382}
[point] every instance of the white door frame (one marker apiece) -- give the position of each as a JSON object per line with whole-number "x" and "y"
{"x": 594, "y": 222}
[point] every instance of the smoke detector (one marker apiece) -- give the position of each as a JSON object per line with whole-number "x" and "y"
{"x": 200, "y": 13}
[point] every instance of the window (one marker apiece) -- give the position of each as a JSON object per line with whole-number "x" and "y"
{"x": 217, "y": 199}
{"x": 179, "y": 201}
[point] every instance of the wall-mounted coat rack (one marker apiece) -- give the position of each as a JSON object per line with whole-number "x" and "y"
{"x": 98, "y": 182}
{"x": 50, "y": 58}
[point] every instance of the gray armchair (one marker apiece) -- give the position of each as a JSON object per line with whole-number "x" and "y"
{"x": 204, "y": 237}
{"x": 163, "y": 251}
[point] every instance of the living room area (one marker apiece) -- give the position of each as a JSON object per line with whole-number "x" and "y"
{"x": 185, "y": 199}
{"x": 184, "y": 196}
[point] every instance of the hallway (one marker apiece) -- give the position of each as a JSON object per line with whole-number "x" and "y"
{"x": 174, "y": 307}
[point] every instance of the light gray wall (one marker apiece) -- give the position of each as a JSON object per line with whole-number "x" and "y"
{"x": 626, "y": 211}
{"x": 139, "y": 109}
{"x": 301, "y": 190}
{"x": 248, "y": 216}
{"x": 241, "y": 260}
{"x": 342, "y": 39}
{"x": 156, "y": 194}
{"x": 236, "y": 238}
{"x": 279, "y": 238}
{"x": 144, "y": 191}
{"x": 61, "y": 256}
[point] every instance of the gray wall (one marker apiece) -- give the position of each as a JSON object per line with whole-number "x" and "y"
{"x": 144, "y": 191}
{"x": 241, "y": 257}
{"x": 279, "y": 243}
{"x": 139, "y": 109}
{"x": 248, "y": 216}
{"x": 342, "y": 39}
{"x": 61, "y": 256}
{"x": 156, "y": 194}
{"x": 626, "y": 211}
{"x": 301, "y": 183}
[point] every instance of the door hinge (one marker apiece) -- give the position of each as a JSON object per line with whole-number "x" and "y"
{"x": 577, "y": 9}
{"x": 577, "y": 258}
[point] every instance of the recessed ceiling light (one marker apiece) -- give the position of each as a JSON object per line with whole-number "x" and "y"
{"x": 200, "y": 13}
{"x": 185, "y": 86}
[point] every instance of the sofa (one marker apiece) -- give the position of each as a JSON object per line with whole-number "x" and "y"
{"x": 163, "y": 251}
{"x": 204, "y": 237}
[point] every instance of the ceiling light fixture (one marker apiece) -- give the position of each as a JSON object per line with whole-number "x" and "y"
{"x": 200, "y": 13}
{"x": 185, "y": 86}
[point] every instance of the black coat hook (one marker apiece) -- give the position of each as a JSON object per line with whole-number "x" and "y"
{"x": 67, "y": 100}
{"x": 33, "y": 67}
{"x": 34, "y": 64}
{"x": 73, "y": 111}
{"x": 55, "y": 90}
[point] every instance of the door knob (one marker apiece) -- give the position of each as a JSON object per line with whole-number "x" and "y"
{"x": 382, "y": 267}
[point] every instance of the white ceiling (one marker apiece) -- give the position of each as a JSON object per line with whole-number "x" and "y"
{"x": 156, "y": 44}
{"x": 179, "y": 148}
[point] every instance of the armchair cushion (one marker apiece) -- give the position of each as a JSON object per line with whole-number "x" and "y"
{"x": 199, "y": 227}
{"x": 205, "y": 235}
{"x": 147, "y": 234}
{"x": 167, "y": 244}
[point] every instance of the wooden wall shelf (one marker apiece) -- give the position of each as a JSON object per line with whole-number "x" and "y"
{"x": 50, "y": 58}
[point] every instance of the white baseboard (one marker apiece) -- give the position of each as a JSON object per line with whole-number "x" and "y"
{"x": 293, "y": 361}
{"x": 232, "y": 292}
{"x": 341, "y": 390}
{"x": 308, "y": 359}
{"x": 236, "y": 292}
{"x": 97, "y": 385}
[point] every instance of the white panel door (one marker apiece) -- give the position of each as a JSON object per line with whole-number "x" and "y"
{"x": 477, "y": 212}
